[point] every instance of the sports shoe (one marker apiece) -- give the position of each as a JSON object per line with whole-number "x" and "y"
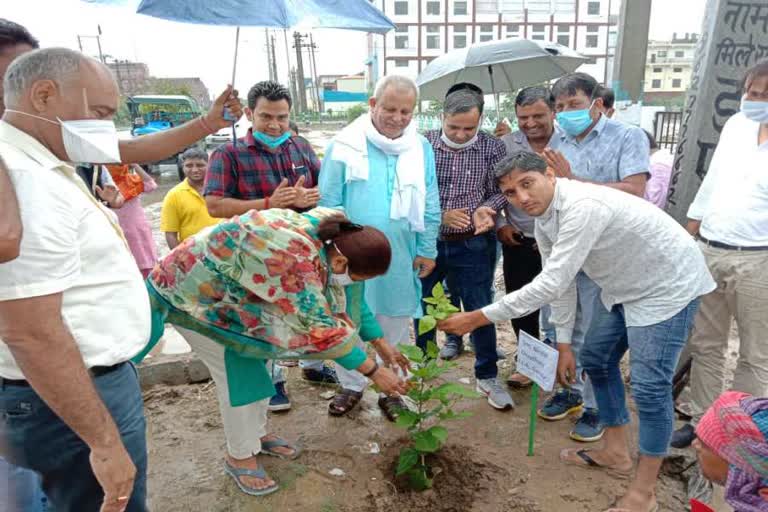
{"x": 560, "y": 405}
{"x": 451, "y": 350}
{"x": 588, "y": 428}
{"x": 325, "y": 376}
{"x": 280, "y": 400}
{"x": 496, "y": 394}
{"x": 683, "y": 437}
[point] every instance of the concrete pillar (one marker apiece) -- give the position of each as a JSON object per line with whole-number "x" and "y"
{"x": 734, "y": 37}
{"x": 631, "y": 47}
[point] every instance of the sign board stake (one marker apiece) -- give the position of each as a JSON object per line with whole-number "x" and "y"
{"x": 532, "y": 425}
{"x": 538, "y": 362}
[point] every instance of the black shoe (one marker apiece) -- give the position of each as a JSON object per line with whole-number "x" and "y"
{"x": 683, "y": 437}
{"x": 325, "y": 376}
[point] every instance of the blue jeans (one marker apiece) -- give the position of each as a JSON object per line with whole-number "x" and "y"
{"x": 654, "y": 351}
{"x": 21, "y": 490}
{"x": 37, "y": 439}
{"x": 588, "y": 312}
{"x": 467, "y": 267}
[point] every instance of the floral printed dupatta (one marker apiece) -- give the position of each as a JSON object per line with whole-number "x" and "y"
{"x": 255, "y": 284}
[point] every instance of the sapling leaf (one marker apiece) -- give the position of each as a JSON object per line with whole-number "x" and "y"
{"x": 426, "y": 442}
{"x": 408, "y": 459}
{"x": 438, "y": 290}
{"x": 426, "y": 324}
{"x": 438, "y": 432}
{"x": 412, "y": 352}
{"x": 407, "y": 418}
{"x": 450, "y": 415}
{"x": 418, "y": 480}
{"x": 450, "y": 308}
{"x": 431, "y": 310}
{"x": 431, "y": 300}
{"x": 432, "y": 350}
{"x": 440, "y": 315}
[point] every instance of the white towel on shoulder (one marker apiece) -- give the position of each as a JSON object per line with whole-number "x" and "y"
{"x": 410, "y": 191}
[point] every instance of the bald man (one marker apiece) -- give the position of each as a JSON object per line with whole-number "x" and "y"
{"x": 15, "y": 40}
{"x": 73, "y": 307}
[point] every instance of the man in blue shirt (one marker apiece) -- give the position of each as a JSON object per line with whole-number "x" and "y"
{"x": 592, "y": 148}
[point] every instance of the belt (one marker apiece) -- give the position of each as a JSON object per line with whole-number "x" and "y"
{"x": 720, "y": 245}
{"x": 95, "y": 371}
{"x": 457, "y": 237}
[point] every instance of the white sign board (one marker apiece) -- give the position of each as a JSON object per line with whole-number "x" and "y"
{"x": 536, "y": 360}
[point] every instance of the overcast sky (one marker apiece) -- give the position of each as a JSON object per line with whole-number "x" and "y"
{"x": 176, "y": 50}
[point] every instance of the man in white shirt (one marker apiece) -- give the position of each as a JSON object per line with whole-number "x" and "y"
{"x": 73, "y": 307}
{"x": 730, "y": 217}
{"x": 614, "y": 238}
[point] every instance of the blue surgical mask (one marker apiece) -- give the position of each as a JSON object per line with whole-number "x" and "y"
{"x": 575, "y": 122}
{"x": 755, "y": 110}
{"x": 270, "y": 141}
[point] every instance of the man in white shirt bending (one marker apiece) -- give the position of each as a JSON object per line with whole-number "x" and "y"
{"x": 614, "y": 238}
{"x": 730, "y": 218}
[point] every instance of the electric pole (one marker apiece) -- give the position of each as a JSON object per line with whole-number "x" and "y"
{"x": 301, "y": 86}
{"x": 274, "y": 58}
{"x": 98, "y": 43}
{"x": 272, "y": 76}
{"x": 292, "y": 84}
{"x": 312, "y": 47}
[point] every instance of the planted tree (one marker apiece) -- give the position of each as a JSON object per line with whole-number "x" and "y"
{"x": 434, "y": 399}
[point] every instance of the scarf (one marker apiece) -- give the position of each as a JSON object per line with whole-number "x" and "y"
{"x": 409, "y": 194}
{"x": 735, "y": 428}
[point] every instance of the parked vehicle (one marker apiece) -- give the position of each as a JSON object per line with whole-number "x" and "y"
{"x": 155, "y": 113}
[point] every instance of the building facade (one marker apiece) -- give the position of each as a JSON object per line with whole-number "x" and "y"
{"x": 429, "y": 28}
{"x": 668, "y": 69}
{"x": 132, "y": 77}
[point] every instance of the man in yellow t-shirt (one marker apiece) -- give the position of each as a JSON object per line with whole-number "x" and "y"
{"x": 184, "y": 211}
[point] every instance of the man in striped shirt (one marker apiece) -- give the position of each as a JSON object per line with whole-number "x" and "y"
{"x": 469, "y": 200}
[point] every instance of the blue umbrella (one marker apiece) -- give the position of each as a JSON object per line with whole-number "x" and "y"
{"x": 342, "y": 14}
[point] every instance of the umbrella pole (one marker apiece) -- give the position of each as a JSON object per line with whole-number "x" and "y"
{"x": 234, "y": 71}
{"x": 495, "y": 95}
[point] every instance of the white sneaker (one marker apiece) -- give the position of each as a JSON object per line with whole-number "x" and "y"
{"x": 496, "y": 393}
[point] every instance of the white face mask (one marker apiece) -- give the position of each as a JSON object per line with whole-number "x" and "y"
{"x": 86, "y": 140}
{"x": 341, "y": 279}
{"x": 455, "y": 145}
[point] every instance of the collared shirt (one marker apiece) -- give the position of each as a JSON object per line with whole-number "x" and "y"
{"x": 465, "y": 178}
{"x": 611, "y": 152}
{"x": 732, "y": 203}
{"x": 615, "y": 238}
{"x": 184, "y": 211}
{"x": 657, "y": 186}
{"x": 71, "y": 245}
{"x": 249, "y": 171}
{"x": 517, "y": 141}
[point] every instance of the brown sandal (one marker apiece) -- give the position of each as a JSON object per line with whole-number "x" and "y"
{"x": 344, "y": 401}
{"x": 391, "y": 406}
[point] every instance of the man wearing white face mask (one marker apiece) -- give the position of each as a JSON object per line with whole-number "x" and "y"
{"x": 64, "y": 370}
{"x": 466, "y": 249}
{"x": 730, "y": 218}
{"x": 383, "y": 173}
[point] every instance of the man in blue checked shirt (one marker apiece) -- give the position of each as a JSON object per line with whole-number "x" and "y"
{"x": 466, "y": 248}
{"x": 596, "y": 149}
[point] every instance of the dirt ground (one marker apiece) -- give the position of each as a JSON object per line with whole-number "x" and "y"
{"x": 483, "y": 467}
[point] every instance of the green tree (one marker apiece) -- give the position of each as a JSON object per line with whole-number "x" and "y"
{"x": 356, "y": 111}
